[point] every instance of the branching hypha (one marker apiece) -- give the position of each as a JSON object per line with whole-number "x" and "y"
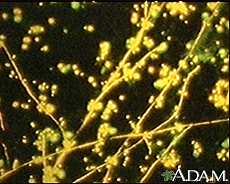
{"x": 112, "y": 92}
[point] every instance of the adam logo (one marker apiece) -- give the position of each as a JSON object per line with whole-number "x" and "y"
{"x": 193, "y": 175}
{"x": 168, "y": 175}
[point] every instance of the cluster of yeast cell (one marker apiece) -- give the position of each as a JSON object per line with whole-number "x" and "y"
{"x": 223, "y": 154}
{"x": 130, "y": 73}
{"x": 45, "y": 136}
{"x": 223, "y": 54}
{"x": 25, "y": 105}
{"x": 220, "y": 95}
{"x": 112, "y": 161}
{"x": 141, "y": 20}
{"x": 46, "y": 91}
{"x": 165, "y": 76}
{"x": 147, "y": 42}
{"x": 197, "y": 148}
{"x": 8, "y": 66}
{"x": 53, "y": 174}
{"x": 180, "y": 9}
{"x": 4, "y": 166}
{"x": 35, "y": 33}
{"x": 66, "y": 68}
{"x": 225, "y": 67}
{"x": 16, "y": 15}
{"x": 104, "y": 132}
{"x": 171, "y": 160}
{"x": 110, "y": 108}
{"x": 133, "y": 73}
{"x": 222, "y": 25}
{"x": 44, "y": 105}
{"x": 126, "y": 154}
{"x": 97, "y": 106}
{"x": 103, "y": 58}
{"x": 104, "y": 51}
{"x": 178, "y": 128}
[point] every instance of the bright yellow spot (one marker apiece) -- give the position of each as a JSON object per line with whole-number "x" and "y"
{"x": 91, "y": 79}
{"x": 33, "y": 124}
{"x": 25, "y": 46}
{"x": 75, "y": 5}
{"x": 151, "y": 99}
{"x": 15, "y": 104}
{"x": 77, "y": 72}
{"x": 137, "y": 76}
{"x": 17, "y": 11}
{"x": 128, "y": 117}
{"x": 18, "y": 18}
{"x": 52, "y": 21}
{"x": 159, "y": 143}
{"x": 165, "y": 15}
{"x": 219, "y": 29}
{"x": 27, "y": 39}
{"x": 121, "y": 97}
{"x": 65, "y": 30}
{"x": 136, "y": 7}
{"x": 5, "y": 16}
{"x": 108, "y": 64}
{"x": 181, "y": 17}
{"x": 2, "y": 38}
{"x": 82, "y": 74}
{"x": 41, "y": 4}
{"x": 25, "y": 140}
{"x": 151, "y": 70}
{"x": 37, "y": 39}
